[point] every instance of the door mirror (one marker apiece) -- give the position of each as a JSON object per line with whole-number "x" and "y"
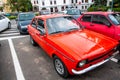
{"x": 42, "y": 31}
{"x": 108, "y": 24}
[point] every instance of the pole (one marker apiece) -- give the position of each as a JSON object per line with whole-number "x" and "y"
{"x": 112, "y": 5}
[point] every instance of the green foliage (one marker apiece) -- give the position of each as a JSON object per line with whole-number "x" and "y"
{"x": 20, "y": 5}
{"x": 116, "y": 9}
{"x": 12, "y": 17}
{"x": 98, "y": 8}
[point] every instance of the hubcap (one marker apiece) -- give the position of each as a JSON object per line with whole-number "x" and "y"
{"x": 59, "y": 66}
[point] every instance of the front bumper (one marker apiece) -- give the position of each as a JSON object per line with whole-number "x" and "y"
{"x": 93, "y": 66}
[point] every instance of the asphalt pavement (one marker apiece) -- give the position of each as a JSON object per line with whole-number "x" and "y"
{"x": 20, "y": 60}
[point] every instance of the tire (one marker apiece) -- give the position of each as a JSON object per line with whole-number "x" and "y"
{"x": 9, "y": 25}
{"x": 32, "y": 41}
{"x": 60, "y": 67}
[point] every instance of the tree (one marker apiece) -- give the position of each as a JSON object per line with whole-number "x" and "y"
{"x": 20, "y": 5}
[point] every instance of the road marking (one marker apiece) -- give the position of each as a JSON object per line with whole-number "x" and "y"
{"x": 13, "y": 37}
{"x": 9, "y": 34}
{"x": 18, "y": 70}
{"x": 114, "y": 60}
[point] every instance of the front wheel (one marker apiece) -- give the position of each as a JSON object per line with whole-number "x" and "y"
{"x": 9, "y": 25}
{"x": 32, "y": 41}
{"x": 60, "y": 67}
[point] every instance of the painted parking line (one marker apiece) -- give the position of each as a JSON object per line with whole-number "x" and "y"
{"x": 114, "y": 60}
{"x": 17, "y": 67}
{"x": 13, "y": 37}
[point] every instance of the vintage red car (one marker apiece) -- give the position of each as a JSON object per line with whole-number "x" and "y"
{"x": 74, "y": 50}
{"x": 107, "y": 23}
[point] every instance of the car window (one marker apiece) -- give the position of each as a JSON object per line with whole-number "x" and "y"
{"x": 40, "y": 23}
{"x": 86, "y": 18}
{"x": 34, "y": 23}
{"x": 95, "y": 19}
{"x": 115, "y": 18}
{"x": 99, "y": 19}
{"x": 1, "y": 17}
{"x": 103, "y": 20}
{"x": 62, "y": 24}
{"x": 26, "y": 16}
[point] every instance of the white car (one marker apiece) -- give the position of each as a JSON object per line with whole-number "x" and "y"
{"x": 4, "y": 23}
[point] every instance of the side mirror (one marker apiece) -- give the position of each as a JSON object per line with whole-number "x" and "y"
{"x": 108, "y": 24}
{"x": 42, "y": 31}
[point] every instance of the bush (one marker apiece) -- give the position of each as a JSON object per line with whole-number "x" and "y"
{"x": 12, "y": 17}
{"x": 116, "y": 9}
{"x": 98, "y": 8}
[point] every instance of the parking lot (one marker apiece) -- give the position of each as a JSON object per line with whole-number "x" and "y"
{"x": 20, "y": 60}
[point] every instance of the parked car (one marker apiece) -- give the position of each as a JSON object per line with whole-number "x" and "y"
{"x": 74, "y": 50}
{"x": 76, "y": 13}
{"x": 23, "y": 21}
{"x": 4, "y": 23}
{"x": 107, "y": 23}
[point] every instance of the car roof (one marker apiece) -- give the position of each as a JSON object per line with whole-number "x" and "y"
{"x": 51, "y": 16}
{"x": 99, "y": 12}
{"x": 26, "y": 12}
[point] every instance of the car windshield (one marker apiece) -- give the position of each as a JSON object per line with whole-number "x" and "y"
{"x": 27, "y": 16}
{"x": 62, "y": 24}
{"x": 115, "y": 18}
{"x": 73, "y": 12}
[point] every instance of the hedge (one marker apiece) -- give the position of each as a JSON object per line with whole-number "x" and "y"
{"x": 12, "y": 17}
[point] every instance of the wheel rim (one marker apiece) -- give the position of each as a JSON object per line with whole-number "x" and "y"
{"x": 59, "y": 66}
{"x": 31, "y": 40}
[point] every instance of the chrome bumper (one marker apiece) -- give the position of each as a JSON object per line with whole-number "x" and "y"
{"x": 93, "y": 66}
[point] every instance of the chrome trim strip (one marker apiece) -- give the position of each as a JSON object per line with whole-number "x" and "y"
{"x": 90, "y": 68}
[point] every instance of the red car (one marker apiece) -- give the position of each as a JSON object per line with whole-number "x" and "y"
{"x": 74, "y": 50}
{"x": 107, "y": 23}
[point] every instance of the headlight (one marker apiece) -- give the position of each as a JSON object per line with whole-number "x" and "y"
{"x": 82, "y": 63}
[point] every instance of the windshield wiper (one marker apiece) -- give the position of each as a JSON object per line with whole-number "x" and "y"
{"x": 56, "y": 32}
{"x": 72, "y": 29}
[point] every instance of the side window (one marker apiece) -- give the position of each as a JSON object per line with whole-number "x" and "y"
{"x": 103, "y": 20}
{"x": 95, "y": 19}
{"x": 40, "y": 24}
{"x": 34, "y": 23}
{"x": 1, "y": 17}
{"x": 86, "y": 18}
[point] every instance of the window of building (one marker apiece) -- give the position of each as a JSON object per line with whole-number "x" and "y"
{"x": 54, "y": 1}
{"x": 56, "y": 9}
{"x": 85, "y": 7}
{"x": 64, "y": 1}
{"x": 82, "y": 1}
{"x": 37, "y": 1}
{"x": 51, "y": 9}
{"x": 43, "y": 3}
{"x": 62, "y": 8}
{"x": 86, "y": 1}
{"x": 76, "y": 1}
{"x": 82, "y": 7}
{"x": 34, "y": 2}
{"x": 51, "y": 2}
{"x": 72, "y": 1}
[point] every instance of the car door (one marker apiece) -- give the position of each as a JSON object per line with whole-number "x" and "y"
{"x": 2, "y": 23}
{"x": 101, "y": 24}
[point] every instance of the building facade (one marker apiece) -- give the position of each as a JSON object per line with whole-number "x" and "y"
{"x": 60, "y": 5}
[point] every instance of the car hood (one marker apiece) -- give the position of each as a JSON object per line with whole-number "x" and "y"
{"x": 82, "y": 43}
{"x": 24, "y": 23}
